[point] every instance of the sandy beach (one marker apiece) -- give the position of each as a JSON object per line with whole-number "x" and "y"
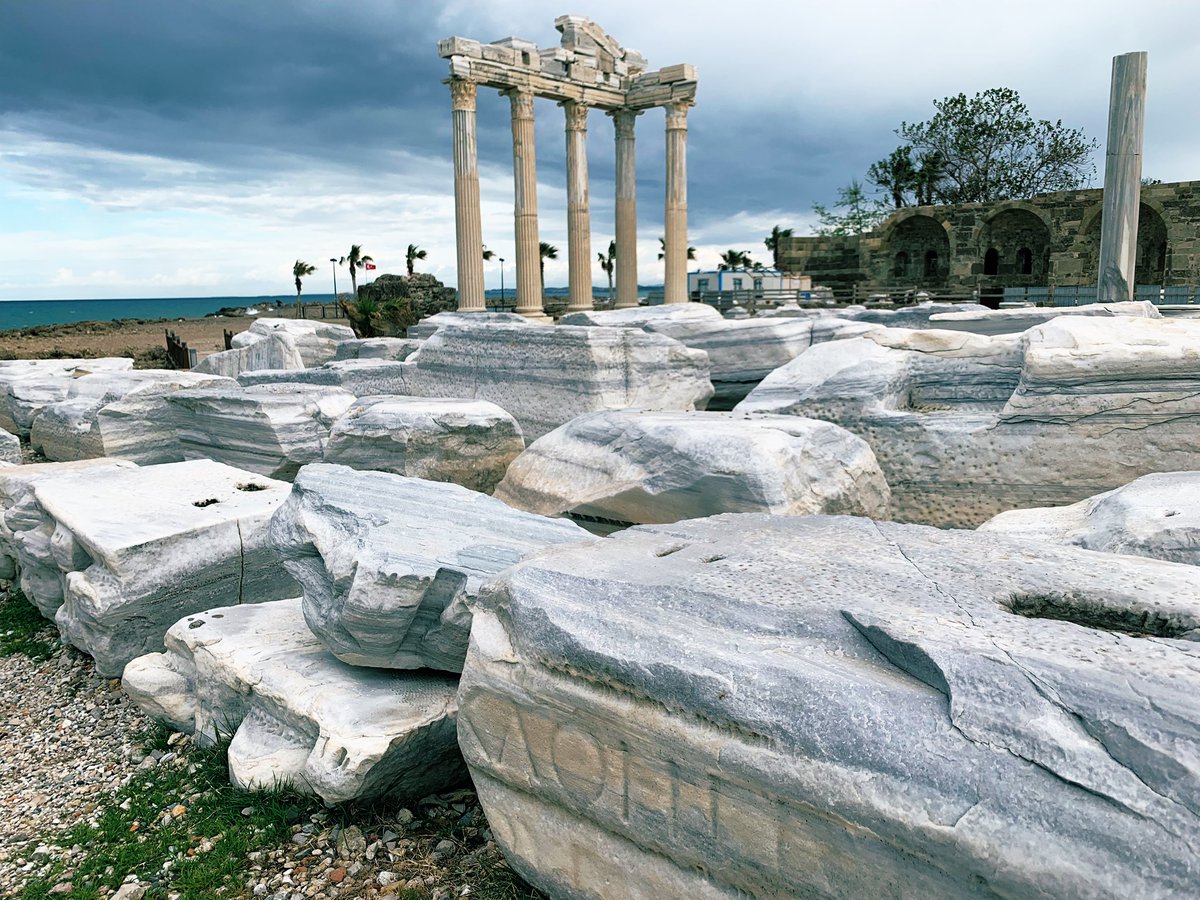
{"x": 127, "y": 337}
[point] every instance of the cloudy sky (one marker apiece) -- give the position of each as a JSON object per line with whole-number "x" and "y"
{"x": 198, "y": 147}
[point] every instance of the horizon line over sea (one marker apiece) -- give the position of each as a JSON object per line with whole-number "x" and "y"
{"x": 16, "y": 314}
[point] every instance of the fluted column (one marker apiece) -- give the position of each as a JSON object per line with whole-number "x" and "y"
{"x": 468, "y": 223}
{"x": 676, "y": 239}
{"x": 626, "y": 211}
{"x": 579, "y": 228}
{"x": 1122, "y": 179}
{"x": 525, "y": 209}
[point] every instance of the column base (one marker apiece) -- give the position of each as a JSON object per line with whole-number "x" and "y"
{"x": 535, "y": 315}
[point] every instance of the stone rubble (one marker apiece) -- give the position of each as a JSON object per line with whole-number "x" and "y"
{"x": 634, "y": 467}
{"x": 27, "y": 385}
{"x": 277, "y": 344}
{"x": 249, "y": 671}
{"x": 389, "y": 564}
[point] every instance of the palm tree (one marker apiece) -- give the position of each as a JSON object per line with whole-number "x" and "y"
{"x": 547, "y": 251}
{"x": 735, "y": 259}
{"x": 608, "y": 263}
{"x": 357, "y": 260}
{"x": 487, "y": 254}
{"x": 662, "y": 249}
{"x": 300, "y": 269}
{"x": 774, "y": 242}
{"x": 412, "y": 255}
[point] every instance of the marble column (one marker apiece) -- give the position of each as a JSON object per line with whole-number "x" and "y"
{"x": 676, "y": 240}
{"x": 579, "y": 229}
{"x": 1122, "y": 179}
{"x": 468, "y": 223}
{"x": 525, "y": 209}
{"x": 626, "y": 208}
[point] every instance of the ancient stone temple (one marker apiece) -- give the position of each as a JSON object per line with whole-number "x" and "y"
{"x": 590, "y": 70}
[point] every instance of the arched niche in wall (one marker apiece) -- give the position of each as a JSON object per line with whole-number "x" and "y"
{"x": 1020, "y": 240}
{"x": 924, "y": 241}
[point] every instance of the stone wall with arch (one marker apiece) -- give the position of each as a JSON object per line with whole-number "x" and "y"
{"x": 1060, "y": 231}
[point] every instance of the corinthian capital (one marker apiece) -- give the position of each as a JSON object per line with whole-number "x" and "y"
{"x": 623, "y": 122}
{"x": 577, "y": 114}
{"x": 462, "y": 94}
{"x": 677, "y": 115}
{"x": 522, "y": 103}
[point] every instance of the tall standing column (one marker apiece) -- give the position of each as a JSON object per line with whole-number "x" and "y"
{"x": 579, "y": 228}
{"x": 1122, "y": 178}
{"x": 627, "y": 283}
{"x": 468, "y": 223}
{"x": 676, "y": 240}
{"x": 525, "y": 209}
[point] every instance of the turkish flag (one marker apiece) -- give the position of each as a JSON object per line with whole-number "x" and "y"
{"x": 370, "y": 266}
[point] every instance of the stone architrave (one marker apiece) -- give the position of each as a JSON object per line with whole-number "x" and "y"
{"x": 1122, "y": 178}
{"x": 525, "y": 209}
{"x": 468, "y": 222}
{"x": 676, "y": 240}
{"x": 579, "y": 228}
{"x": 768, "y": 706}
{"x": 626, "y": 207}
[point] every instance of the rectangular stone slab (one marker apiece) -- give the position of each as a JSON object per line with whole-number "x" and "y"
{"x": 141, "y": 547}
{"x": 297, "y": 715}
{"x": 767, "y": 706}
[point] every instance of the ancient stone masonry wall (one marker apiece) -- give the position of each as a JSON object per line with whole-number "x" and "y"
{"x": 1050, "y": 239}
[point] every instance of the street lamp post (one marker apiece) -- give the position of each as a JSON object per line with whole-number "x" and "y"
{"x": 337, "y": 306}
{"x": 501, "y": 258}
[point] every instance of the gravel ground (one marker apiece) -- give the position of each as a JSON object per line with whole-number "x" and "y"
{"x": 70, "y": 739}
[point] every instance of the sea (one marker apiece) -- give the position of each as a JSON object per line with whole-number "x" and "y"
{"x": 27, "y": 313}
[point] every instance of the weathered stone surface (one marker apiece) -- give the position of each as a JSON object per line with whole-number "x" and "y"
{"x": 316, "y": 341}
{"x": 967, "y": 426}
{"x": 138, "y": 548}
{"x": 468, "y": 442}
{"x": 388, "y": 563}
{"x": 26, "y": 529}
{"x": 297, "y": 715}
{"x": 546, "y": 376}
{"x": 137, "y": 430}
{"x": 10, "y": 448}
{"x": 1011, "y": 321}
{"x": 427, "y": 326}
{"x": 273, "y": 351}
{"x": 634, "y": 467}
{"x": 271, "y": 429}
{"x": 26, "y": 385}
{"x": 395, "y": 349}
{"x": 740, "y": 353}
{"x": 1156, "y": 515}
{"x": 361, "y": 377}
{"x": 777, "y": 707}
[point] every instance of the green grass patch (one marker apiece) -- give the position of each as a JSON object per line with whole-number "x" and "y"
{"x": 23, "y": 629}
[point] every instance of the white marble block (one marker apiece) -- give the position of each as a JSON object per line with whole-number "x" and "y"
{"x": 139, "y": 547}
{"x": 388, "y": 563}
{"x": 27, "y": 385}
{"x": 298, "y": 716}
{"x": 468, "y": 442}
{"x": 270, "y": 429}
{"x": 634, "y": 467}
{"x": 758, "y": 706}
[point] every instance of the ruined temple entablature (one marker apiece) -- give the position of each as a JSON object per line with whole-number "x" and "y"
{"x": 590, "y": 70}
{"x": 589, "y": 67}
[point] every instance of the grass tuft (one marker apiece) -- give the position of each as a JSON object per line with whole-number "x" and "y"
{"x": 23, "y": 629}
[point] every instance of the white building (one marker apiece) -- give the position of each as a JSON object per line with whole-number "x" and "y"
{"x": 767, "y": 284}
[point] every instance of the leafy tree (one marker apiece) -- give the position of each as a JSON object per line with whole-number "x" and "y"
{"x": 301, "y": 269}
{"x": 363, "y": 315}
{"x": 412, "y": 255}
{"x": 774, "y": 242}
{"x": 608, "y": 263}
{"x": 862, "y": 213}
{"x": 986, "y": 148}
{"x": 895, "y": 174}
{"x": 356, "y": 259}
{"x": 735, "y": 259}
{"x": 662, "y": 249}
{"x": 545, "y": 252}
